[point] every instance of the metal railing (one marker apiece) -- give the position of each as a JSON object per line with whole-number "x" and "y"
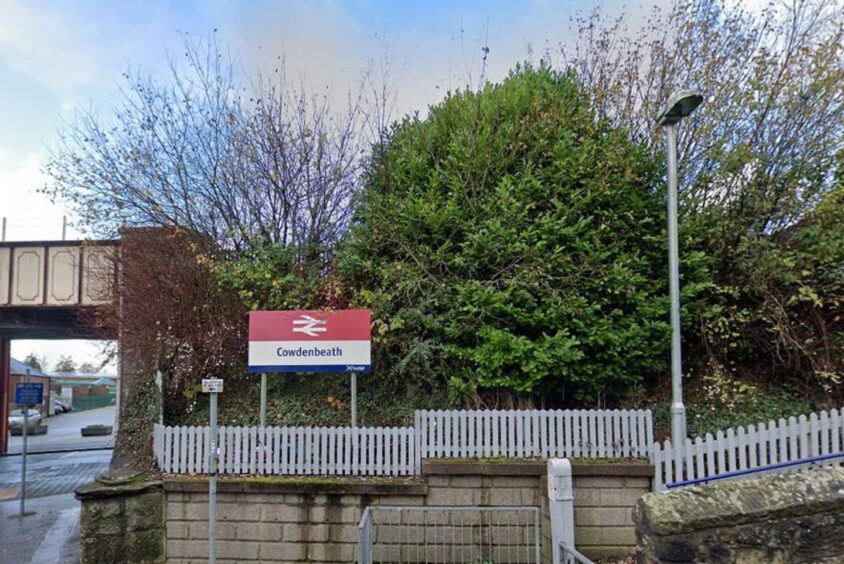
{"x": 802, "y": 464}
{"x": 488, "y": 535}
{"x": 570, "y": 555}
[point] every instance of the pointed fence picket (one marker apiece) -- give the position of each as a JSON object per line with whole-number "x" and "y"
{"x": 363, "y": 451}
{"x": 757, "y": 446}
{"x": 535, "y": 433}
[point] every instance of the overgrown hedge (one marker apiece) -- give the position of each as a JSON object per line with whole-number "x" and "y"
{"x": 512, "y": 241}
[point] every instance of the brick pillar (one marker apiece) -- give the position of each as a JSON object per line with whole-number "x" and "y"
{"x": 5, "y": 390}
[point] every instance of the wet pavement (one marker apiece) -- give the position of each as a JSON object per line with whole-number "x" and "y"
{"x": 50, "y": 534}
{"x": 64, "y": 432}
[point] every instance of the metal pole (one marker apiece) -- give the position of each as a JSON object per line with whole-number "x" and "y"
{"x": 212, "y": 484}
{"x": 678, "y": 409}
{"x": 159, "y": 384}
{"x": 263, "y": 399}
{"x": 3, "y": 238}
{"x": 354, "y": 399}
{"x": 64, "y": 227}
{"x": 23, "y": 453}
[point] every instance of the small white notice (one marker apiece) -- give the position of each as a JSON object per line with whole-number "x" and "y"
{"x": 212, "y": 385}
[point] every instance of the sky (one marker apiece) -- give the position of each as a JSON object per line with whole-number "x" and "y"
{"x": 60, "y": 56}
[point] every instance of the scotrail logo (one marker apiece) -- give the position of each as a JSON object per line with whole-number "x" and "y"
{"x": 310, "y": 326}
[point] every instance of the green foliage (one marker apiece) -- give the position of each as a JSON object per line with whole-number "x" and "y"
{"x": 318, "y": 399}
{"x": 65, "y": 364}
{"x": 725, "y": 402}
{"x": 512, "y": 241}
{"x": 35, "y": 361}
{"x": 270, "y": 276}
{"x": 778, "y": 304}
{"x": 760, "y": 172}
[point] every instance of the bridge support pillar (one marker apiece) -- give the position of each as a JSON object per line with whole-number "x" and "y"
{"x": 5, "y": 390}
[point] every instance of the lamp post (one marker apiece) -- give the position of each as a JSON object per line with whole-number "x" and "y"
{"x": 679, "y": 106}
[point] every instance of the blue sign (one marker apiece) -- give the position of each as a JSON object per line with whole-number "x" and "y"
{"x": 29, "y": 393}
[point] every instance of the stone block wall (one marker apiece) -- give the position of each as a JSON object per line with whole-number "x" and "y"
{"x": 276, "y": 521}
{"x": 316, "y": 520}
{"x": 122, "y": 520}
{"x": 795, "y": 518}
{"x": 604, "y": 496}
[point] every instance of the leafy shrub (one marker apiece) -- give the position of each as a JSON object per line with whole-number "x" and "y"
{"x": 512, "y": 241}
{"x": 776, "y": 308}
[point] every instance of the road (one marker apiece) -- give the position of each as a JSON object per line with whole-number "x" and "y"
{"x": 64, "y": 432}
{"x": 51, "y": 534}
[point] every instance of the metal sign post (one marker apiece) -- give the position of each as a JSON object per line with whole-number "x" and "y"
{"x": 263, "y": 399}
{"x": 27, "y": 395}
{"x": 23, "y": 452}
{"x": 212, "y": 386}
{"x": 354, "y": 399}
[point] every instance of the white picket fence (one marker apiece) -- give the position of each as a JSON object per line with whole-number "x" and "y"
{"x": 360, "y": 451}
{"x": 593, "y": 433}
{"x": 775, "y": 442}
{"x": 398, "y": 451}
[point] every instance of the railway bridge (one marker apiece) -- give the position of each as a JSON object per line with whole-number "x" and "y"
{"x": 51, "y": 290}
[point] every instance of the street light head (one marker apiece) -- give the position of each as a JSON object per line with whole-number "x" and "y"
{"x": 679, "y": 106}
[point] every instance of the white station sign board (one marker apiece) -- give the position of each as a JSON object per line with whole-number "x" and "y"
{"x": 310, "y": 341}
{"x": 212, "y": 386}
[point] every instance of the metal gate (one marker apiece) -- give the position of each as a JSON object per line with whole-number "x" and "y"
{"x": 479, "y": 535}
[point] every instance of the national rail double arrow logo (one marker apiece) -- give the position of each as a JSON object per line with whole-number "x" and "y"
{"x": 310, "y": 326}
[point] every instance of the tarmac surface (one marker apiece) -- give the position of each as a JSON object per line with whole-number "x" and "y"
{"x": 49, "y": 532}
{"x": 64, "y": 432}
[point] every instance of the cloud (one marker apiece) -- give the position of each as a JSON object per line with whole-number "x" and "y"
{"x": 30, "y": 215}
{"x": 69, "y": 46}
{"x": 41, "y": 42}
{"x": 433, "y": 48}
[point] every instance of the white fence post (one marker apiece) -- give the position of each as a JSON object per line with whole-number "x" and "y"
{"x": 560, "y": 505}
{"x": 417, "y": 442}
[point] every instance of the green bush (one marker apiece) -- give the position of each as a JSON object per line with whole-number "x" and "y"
{"x": 512, "y": 241}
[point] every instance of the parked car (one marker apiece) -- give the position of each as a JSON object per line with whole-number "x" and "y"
{"x": 16, "y": 418}
{"x": 61, "y": 406}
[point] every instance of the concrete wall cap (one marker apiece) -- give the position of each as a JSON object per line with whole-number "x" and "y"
{"x": 283, "y": 485}
{"x": 733, "y": 503}
{"x": 521, "y": 467}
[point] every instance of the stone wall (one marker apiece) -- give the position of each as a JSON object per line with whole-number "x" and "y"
{"x": 316, "y": 520}
{"x": 277, "y": 521}
{"x": 122, "y": 519}
{"x": 795, "y": 518}
{"x": 604, "y": 496}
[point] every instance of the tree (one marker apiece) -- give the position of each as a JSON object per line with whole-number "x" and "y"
{"x": 87, "y": 368}
{"x": 35, "y": 361}
{"x": 512, "y": 242}
{"x": 65, "y": 364}
{"x": 758, "y": 169}
{"x": 761, "y": 150}
{"x": 199, "y": 151}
